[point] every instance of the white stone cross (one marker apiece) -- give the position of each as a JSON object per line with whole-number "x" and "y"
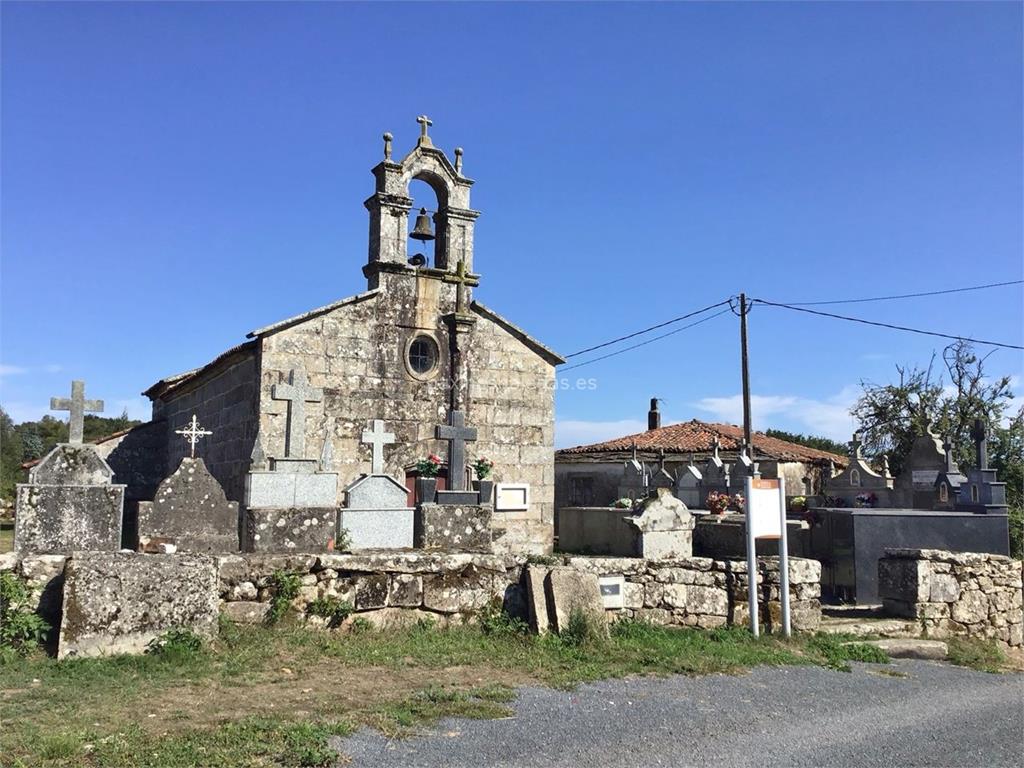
{"x": 77, "y": 405}
{"x": 424, "y": 122}
{"x": 297, "y": 392}
{"x": 378, "y": 438}
{"x": 193, "y": 433}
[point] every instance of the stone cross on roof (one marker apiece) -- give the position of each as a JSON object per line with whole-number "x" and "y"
{"x": 425, "y": 122}
{"x": 980, "y": 435}
{"x": 193, "y": 433}
{"x": 77, "y": 405}
{"x": 462, "y": 278}
{"x": 297, "y": 392}
{"x": 377, "y": 438}
{"x": 856, "y": 445}
{"x": 457, "y": 434}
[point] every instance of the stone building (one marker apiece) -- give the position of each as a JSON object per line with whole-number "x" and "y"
{"x": 590, "y": 475}
{"x": 412, "y": 348}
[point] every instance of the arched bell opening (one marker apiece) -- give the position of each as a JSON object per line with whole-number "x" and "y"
{"x": 428, "y": 221}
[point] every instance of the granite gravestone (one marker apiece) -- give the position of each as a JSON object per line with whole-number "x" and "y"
{"x": 689, "y": 480}
{"x": 635, "y": 483}
{"x": 980, "y": 491}
{"x": 915, "y": 487}
{"x": 291, "y": 501}
{"x": 715, "y": 474}
{"x": 859, "y": 478}
{"x": 70, "y": 500}
{"x": 376, "y": 513}
{"x": 949, "y": 482}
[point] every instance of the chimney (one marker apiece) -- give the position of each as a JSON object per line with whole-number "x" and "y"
{"x": 653, "y": 417}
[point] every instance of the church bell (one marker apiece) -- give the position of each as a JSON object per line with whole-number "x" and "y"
{"x": 422, "y": 229}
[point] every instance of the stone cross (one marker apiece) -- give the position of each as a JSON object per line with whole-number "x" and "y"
{"x": 457, "y": 434}
{"x": 425, "y": 122}
{"x": 297, "y": 392}
{"x": 855, "y": 445}
{"x": 980, "y": 435}
{"x": 462, "y": 278}
{"x": 947, "y": 446}
{"x": 193, "y": 433}
{"x": 378, "y": 438}
{"x": 77, "y": 405}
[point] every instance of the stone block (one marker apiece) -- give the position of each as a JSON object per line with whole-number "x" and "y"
{"x": 372, "y": 591}
{"x": 568, "y": 592}
{"x": 63, "y": 518}
{"x": 666, "y": 545}
{"x": 376, "y": 492}
{"x": 118, "y": 602}
{"x": 632, "y": 595}
{"x": 190, "y": 512}
{"x": 460, "y": 527}
{"x": 536, "y": 599}
{"x": 711, "y": 601}
{"x": 245, "y": 611}
{"x": 71, "y": 465}
{"x": 944, "y": 588}
{"x": 377, "y": 528}
{"x": 291, "y": 490}
{"x": 903, "y": 579}
{"x": 406, "y": 590}
{"x": 290, "y": 530}
{"x": 971, "y": 608}
{"x": 458, "y": 591}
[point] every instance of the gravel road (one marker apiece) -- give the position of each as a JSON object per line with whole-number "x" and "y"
{"x": 937, "y": 715}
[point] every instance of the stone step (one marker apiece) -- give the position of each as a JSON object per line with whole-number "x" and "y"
{"x": 890, "y": 628}
{"x": 911, "y": 648}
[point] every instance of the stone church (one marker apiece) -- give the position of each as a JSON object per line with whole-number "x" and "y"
{"x": 410, "y": 350}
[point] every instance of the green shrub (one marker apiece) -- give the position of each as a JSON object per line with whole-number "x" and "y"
{"x": 584, "y": 628}
{"x": 284, "y": 588}
{"x": 343, "y": 541}
{"x": 1016, "y": 522}
{"x": 983, "y": 655}
{"x": 333, "y": 609}
{"x": 494, "y": 621}
{"x": 360, "y": 625}
{"x": 176, "y": 643}
{"x": 20, "y": 627}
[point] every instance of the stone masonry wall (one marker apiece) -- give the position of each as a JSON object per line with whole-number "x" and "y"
{"x": 225, "y": 403}
{"x": 955, "y": 593}
{"x": 389, "y": 589}
{"x": 356, "y": 353}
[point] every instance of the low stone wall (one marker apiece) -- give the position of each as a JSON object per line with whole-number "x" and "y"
{"x": 396, "y": 588}
{"x": 955, "y": 593}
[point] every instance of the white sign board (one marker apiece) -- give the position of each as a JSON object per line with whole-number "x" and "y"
{"x": 763, "y": 501}
{"x": 612, "y": 588}
{"x": 510, "y": 497}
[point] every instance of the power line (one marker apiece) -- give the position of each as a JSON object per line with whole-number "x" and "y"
{"x": 886, "y": 325}
{"x": 646, "y": 330}
{"x": 649, "y": 341}
{"x": 904, "y": 295}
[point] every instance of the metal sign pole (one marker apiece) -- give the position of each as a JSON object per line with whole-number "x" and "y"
{"x": 783, "y": 559}
{"x": 751, "y": 558}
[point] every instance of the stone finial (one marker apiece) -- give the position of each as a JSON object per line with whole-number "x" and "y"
{"x": 458, "y": 160}
{"x": 193, "y": 433}
{"x": 258, "y": 458}
{"x": 387, "y": 145}
{"x": 425, "y": 122}
{"x": 77, "y": 405}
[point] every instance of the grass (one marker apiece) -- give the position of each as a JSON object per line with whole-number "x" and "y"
{"x": 263, "y": 696}
{"x": 977, "y": 654}
{"x": 6, "y": 537}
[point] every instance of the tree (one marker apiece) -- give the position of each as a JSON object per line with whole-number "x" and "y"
{"x": 811, "y": 441}
{"x": 10, "y": 456}
{"x": 892, "y": 415}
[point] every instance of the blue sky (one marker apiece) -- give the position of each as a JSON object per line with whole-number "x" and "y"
{"x": 175, "y": 175}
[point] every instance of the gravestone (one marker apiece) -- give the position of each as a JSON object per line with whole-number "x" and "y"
{"x": 376, "y": 513}
{"x": 689, "y": 480}
{"x": 635, "y": 482}
{"x": 915, "y": 487}
{"x": 569, "y": 592}
{"x": 659, "y": 476}
{"x": 70, "y": 501}
{"x": 980, "y": 491}
{"x": 949, "y": 483}
{"x": 742, "y": 468}
{"x": 189, "y": 513}
{"x": 663, "y": 528}
{"x": 291, "y": 500}
{"x": 715, "y": 474}
{"x": 119, "y": 602}
{"x": 859, "y": 478}
{"x": 457, "y": 434}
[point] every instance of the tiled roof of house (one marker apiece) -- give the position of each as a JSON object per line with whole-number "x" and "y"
{"x": 697, "y": 437}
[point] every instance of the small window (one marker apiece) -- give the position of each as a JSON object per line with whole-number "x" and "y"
{"x": 974, "y": 493}
{"x": 581, "y": 491}
{"x": 943, "y": 493}
{"x": 422, "y": 355}
{"x": 855, "y": 477}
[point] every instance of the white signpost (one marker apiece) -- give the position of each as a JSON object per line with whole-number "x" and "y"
{"x": 766, "y": 519}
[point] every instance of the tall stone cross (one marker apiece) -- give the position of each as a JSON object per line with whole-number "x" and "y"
{"x": 193, "y": 433}
{"x": 855, "y": 445}
{"x": 377, "y": 438}
{"x": 297, "y": 392}
{"x": 947, "y": 447}
{"x": 457, "y": 434}
{"x": 980, "y": 435}
{"x": 461, "y": 278}
{"x": 77, "y": 405}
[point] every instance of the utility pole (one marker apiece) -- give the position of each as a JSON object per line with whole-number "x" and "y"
{"x": 747, "y": 442}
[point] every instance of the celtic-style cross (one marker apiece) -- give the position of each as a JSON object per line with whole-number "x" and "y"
{"x": 77, "y": 405}
{"x": 462, "y": 278}
{"x": 193, "y": 433}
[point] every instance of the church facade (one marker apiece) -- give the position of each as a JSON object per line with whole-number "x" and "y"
{"x": 412, "y": 349}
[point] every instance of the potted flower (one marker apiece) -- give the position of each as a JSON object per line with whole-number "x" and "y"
{"x": 718, "y": 502}
{"x": 483, "y": 467}
{"x": 426, "y": 482}
{"x": 798, "y": 504}
{"x": 866, "y": 499}
{"x": 737, "y": 502}
{"x": 623, "y": 503}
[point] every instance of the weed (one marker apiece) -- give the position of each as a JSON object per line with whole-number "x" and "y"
{"x": 181, "y": 643}
{"x": 361, "y": 625}
{"x": 20, "y": 627}
{"x": 584, "y": 628}
{"x": 543, "y": 560}
{"x": 836, "y": 650}
{"x": 284, "y": 588}
{"x": 333, "y": 609}
{"x": 985, "y": 656}
{"x": 494, "y": 621}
